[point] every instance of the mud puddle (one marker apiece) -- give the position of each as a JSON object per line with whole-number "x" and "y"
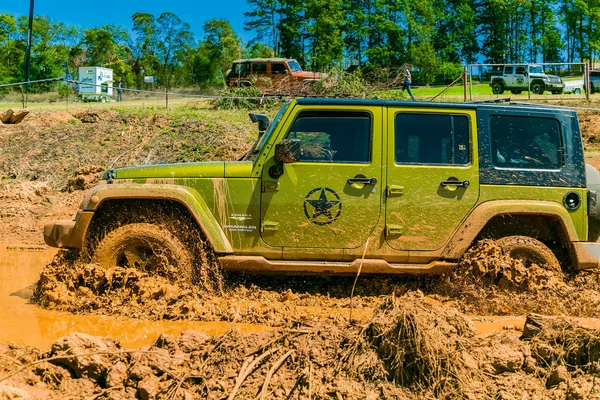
{"x": 27, "y": 324}
{"x": 488, "y": 325}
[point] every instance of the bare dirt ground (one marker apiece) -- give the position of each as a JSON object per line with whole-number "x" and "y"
{"x": 405, "y": 338}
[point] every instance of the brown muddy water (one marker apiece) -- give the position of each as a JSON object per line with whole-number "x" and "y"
{"x": 25, "y": 323}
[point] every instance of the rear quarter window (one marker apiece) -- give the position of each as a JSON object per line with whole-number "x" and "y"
{"x": 526, "y": 143}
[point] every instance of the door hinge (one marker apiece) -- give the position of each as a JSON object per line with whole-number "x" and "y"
{"x": 269, "y": 186}
{"x": 394, "y": 190}
{"x": 269, "y": 226}
{"x": 393, "y": 230}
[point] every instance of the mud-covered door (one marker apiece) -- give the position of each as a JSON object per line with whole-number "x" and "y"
{"x": 433, "y": 179}
{"x": 332, "y": 197}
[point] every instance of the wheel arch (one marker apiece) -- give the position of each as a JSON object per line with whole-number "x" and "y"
{"x": 104, "y": 197}
{"x": 546, "y": 221}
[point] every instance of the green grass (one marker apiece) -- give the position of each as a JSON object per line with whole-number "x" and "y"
{"x": 480, "y": 91}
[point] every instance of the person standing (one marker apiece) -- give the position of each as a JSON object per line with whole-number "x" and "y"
{"x": 407, "y": 82}
{"x": 120, "y": 90}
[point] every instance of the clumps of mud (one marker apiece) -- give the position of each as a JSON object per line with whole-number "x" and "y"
{"x": 489, "y": 282}
{"x": 483, "y": 284}
{"x": 487, "y": 264}
{"x": 67, "y": 284}
{"x": 410, "y": 349}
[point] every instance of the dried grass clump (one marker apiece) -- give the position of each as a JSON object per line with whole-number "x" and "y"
{"x": 417, "y": 344}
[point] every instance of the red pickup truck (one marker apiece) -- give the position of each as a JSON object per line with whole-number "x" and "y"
{"x": 268, "y": 71}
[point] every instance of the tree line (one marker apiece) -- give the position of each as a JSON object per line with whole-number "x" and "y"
{"x": 436, "y": 36}
{"x": 161, "y": 46}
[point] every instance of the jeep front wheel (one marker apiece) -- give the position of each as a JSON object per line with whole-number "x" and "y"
{"x": 530, "y": 251}
{"x": 537, "y": 88}
{"x": 148, "y": 247}
{"x": 497, "y": 87}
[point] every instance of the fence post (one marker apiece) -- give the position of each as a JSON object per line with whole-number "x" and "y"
{"x": 588, "y": 86}
{"x": 465, "y": 83}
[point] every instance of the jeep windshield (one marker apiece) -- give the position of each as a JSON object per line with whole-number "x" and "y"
{"x": 536, "y": 69}
{"x": 294, "y": 66}
{"x": 260, "y": 142}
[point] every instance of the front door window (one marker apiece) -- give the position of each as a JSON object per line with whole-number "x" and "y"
{"x": 331, "y": 198}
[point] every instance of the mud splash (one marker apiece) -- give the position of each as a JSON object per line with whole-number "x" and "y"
{"x": 27, "y": 324}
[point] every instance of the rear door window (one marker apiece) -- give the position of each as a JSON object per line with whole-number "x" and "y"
{"x": 526, "y": 142}
{"x": 427, "y": 138}
{"x": 278, "y": 68}
{"x": 259, "y": 68}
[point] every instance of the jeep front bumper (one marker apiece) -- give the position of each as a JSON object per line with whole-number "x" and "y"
{"x": 68, "y": 233}
{"x": 587, "y": 254}
{"x": 554, "y": 86}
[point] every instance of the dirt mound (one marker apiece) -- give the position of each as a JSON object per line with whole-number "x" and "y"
{"x": 92, "y": 116}
{"x": 27, "y": 206}
{"x": 52, "y": 146}
{"x": 589, "y": 123}
{"x": 84, "y": 178}
{"x": 411, "y": 349}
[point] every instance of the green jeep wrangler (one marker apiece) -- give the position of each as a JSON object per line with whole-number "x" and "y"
{"x": 334, "y": 184}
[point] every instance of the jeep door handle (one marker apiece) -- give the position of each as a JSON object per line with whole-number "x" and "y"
{"x": 464, "y": 184}
{"x": 364, "y": 181}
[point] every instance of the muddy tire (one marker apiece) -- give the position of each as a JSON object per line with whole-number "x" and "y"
{"x": 497, "y": 87}
{"x": 530, "y": 251}
{"x": 537, "y": 88}
{"x": 151, "y": 248}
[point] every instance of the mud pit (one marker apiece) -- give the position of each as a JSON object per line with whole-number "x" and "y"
{"x": 456, "y": 336}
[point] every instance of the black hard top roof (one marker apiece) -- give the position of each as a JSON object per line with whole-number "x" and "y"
{"x": 429, "y": 104}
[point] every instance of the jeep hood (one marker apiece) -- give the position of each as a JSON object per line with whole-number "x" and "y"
{"x": 215, "y": 169}
{"x": 183, "y": 170}
{"x": 307, "y": 74}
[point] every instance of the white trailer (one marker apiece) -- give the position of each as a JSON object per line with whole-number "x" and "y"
{"x": 99, "y": 83}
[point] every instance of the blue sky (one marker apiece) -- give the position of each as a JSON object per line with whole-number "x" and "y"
{"x": 91, "y": 13}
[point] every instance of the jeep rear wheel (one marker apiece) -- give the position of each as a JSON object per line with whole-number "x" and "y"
{"x": 148, "y": 247}
{"x": 497, "y": 87}
{"x": 537, "y": 88}
{"x": 530, "y": 251}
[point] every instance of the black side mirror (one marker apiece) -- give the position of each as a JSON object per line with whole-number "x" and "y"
{"x": 263, "y": 122}
{"x": 286, "y": 152}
